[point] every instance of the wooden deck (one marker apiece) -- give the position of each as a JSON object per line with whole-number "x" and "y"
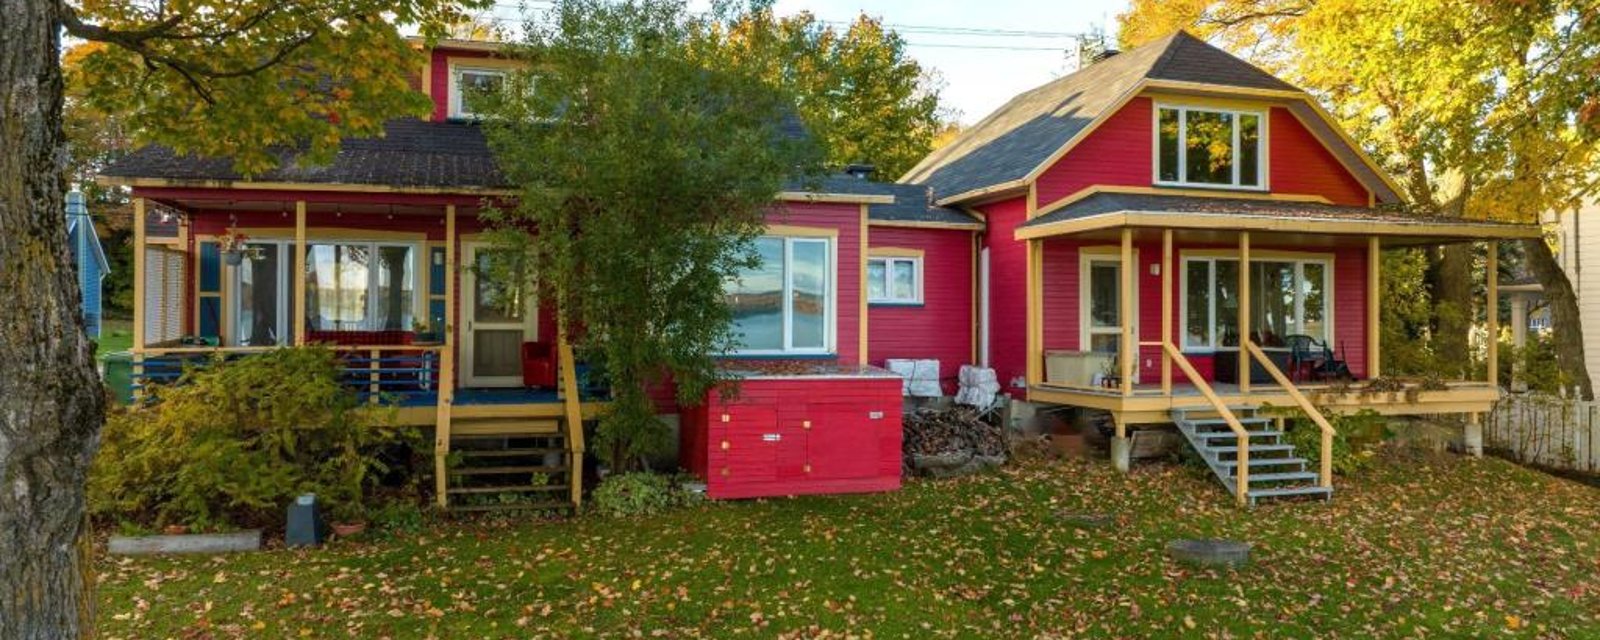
{"x": 1148, "y": 405}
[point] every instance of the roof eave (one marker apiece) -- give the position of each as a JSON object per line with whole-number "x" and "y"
{"x": 1442, "y": 230}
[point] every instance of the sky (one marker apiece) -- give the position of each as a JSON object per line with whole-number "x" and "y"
{"x": 983, "y": 51}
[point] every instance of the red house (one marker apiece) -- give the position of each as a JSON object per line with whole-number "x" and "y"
{"x": 1085, "y": 241}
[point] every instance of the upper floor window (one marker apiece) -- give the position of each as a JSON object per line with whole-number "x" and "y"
{"x": 466, "y": 82}
{"x": 1209, "y": 147}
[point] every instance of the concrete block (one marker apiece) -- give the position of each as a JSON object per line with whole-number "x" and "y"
{"x": 1121, "y": 453}
{"x": 188, "y": 543}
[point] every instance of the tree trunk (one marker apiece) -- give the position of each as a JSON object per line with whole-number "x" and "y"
{"x": 51, "y": 400}
{"x": 1565, "y": 318}
{"x": 1452, "y": 304}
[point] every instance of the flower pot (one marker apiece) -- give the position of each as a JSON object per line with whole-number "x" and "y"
{"x": 347, "y": 529}
{"x": 175, "y": 529}
{"x": 233, "y": 258}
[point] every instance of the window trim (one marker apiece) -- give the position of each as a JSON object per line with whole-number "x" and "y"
{"x": 889, "y": 258}
{"x": 1263, "y": 179}
{"x": 285, "y": 277}
{"x": 1087, "y": 256}
{"x": 418, "y": 295}
{"x": 1299, "y": 260}
{"x": 830, "y": 242}
{"x": 457, "y": 102}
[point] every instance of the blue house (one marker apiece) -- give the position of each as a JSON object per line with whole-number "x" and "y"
{"x": 90, "y": 258}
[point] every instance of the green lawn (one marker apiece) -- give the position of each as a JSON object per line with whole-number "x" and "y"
{"x": 115, "y": 335}
{"x": 1434, "y": 546}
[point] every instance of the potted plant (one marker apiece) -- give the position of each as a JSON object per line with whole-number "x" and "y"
{"x": 425, "y": 334}
{"x": 349, "y": 520}
{"x": 234, "y": 248}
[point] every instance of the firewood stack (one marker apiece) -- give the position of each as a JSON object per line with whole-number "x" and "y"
{"x": 951, "y": 442}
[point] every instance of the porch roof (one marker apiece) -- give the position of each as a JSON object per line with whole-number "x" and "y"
{"x": 1105, "y": 210}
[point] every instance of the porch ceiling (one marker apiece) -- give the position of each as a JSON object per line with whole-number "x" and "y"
{"x": 313, "y": 207}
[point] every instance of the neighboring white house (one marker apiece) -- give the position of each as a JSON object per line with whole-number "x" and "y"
{"x": 1578, "y": 250}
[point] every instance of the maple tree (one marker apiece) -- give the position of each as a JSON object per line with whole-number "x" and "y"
{"x": 240, "y": 79}
{"x": 1480, "y": 109}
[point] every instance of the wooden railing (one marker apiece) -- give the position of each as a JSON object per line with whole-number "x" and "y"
{"x": 573, "y": 409}
{"x": 1241, "y": 435}
{"x": 402, "y": 374}
{"x": 1300, "y": 400}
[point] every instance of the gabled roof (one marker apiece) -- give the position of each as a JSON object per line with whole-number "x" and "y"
{"x": 1017, "y": 140}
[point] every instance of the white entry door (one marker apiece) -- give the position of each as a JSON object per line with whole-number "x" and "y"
{"x": 499, "y": 316}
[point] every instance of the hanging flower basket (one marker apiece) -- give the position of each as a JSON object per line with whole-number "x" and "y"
{"x": 235, "y": 249}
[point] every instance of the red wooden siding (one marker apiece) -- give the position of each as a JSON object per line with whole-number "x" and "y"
{"x": 1008, "y": 284}
{"x": 846, "y": 218}
{"x": 939, "y": 328}
{"x": 1061, "y": 300}
{"x": 1299, "y": 163}
{"x": 1117, "y": 153}
{"x": 792, "y": 436}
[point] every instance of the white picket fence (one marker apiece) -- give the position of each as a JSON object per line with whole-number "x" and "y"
{"x": 1546, "y": 430}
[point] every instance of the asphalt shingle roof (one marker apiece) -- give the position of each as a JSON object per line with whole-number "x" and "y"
{"x": 1020, "y": 136}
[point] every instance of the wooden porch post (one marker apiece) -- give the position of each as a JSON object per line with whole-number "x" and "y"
{"x": 1492, "y": 272}
{"x": 298, "y": 308}
{"x": 1035, "y": 323}
{"x": 1374, "y": 332}
{"x": 1166, "y": 311}
{"x": 140, "y": 289}
{"x": 447, "y": 368}
{"x": 1244, "y": 311}
{"x": 1130, "y": 348}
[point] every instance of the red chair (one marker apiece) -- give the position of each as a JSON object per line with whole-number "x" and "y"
{"x": 538, "y": 365}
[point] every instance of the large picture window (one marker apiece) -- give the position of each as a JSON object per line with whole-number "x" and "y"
{"x": 1287, "y": 298}
{"x": 1209, "y": 148}
{"x": 785, "y": 305}
{"x": 356, "y": 286}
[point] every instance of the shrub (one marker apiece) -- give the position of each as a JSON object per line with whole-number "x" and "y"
{"x": 1357, "y": 435}
{"x": 640, "y": 494}
{"x": 233, "y": 442}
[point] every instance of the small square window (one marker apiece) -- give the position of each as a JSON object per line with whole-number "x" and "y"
{"x": 467, "y": 83}
{"x": 894, "y": 280}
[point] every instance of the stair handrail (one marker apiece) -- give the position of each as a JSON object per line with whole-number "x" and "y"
{"x": 573, "y": 412}
{"x": 1325, "y": 475}
{"x": 1241, "y": 435}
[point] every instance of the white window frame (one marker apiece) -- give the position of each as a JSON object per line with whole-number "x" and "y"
{"x": 285, "y": 319}
{"x": 888, "y": 280}
{"x": 418, "y": 295}
{"x": 458, "y": 106}
{"x": 1214, "y": 339}
{"x": 830, "y": 297}
{"x": 1087, "y": 257}
{"x": 1183, "y": 110}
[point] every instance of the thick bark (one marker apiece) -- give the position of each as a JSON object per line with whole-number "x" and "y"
{"x": 51, "y": 400}
{"x": 1452, "y": 303}
{"x": 1564, "y": 315}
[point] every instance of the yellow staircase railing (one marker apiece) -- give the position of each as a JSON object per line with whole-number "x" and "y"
{"x": 1311, "y": 411}
{"x": 1242, "y": 473}
{"x": 573, "y": 410}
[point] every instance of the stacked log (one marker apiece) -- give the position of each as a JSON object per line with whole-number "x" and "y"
{"x": 951, "y": 442}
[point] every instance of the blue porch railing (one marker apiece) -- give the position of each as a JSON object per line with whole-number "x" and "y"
{"x": 405, "y": 375}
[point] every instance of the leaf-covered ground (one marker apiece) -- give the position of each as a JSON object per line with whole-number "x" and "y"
{"x": 1429, "y": 547}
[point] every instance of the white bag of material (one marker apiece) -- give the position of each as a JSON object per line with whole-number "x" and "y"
{"x": 979, "y": 386}
{"x": 919, "y": 378}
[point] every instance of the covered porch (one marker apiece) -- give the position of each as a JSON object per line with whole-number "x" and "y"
{"x": 1186, "y": 306}
{"x": 386, "y": 278}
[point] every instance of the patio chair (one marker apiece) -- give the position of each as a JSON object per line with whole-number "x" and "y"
{"x": 1307, "y": 356}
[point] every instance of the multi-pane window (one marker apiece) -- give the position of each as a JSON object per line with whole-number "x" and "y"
{"x": 360, "y": 286}
{"x": 894, "y": 280}
{"x": 1287, "y": 297}
{"x": 468, "y": 83}
{"x": 785, "y": 304}
{"x": 1207, "y": 147}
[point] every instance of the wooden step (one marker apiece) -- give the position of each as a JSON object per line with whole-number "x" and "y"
{"x": 1213, "y": 435}
{"x": 507, "y": 453}
{"x": 1285, "y": 492}
{"x": 496, "y": 471}
{"x": 1264, "y": 462}
{"x": 1263, "y": 448}
{"x": 508, "y": 489}
{"x": 542, "y": 506}
{"x": 504, "y": 426}
{"x": 1287, "y": 476}
{"x": 1219, "y": 422}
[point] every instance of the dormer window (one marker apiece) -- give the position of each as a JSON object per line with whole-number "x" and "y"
{"x": 467, "y": 82}
{"x": 1202, "y": 147}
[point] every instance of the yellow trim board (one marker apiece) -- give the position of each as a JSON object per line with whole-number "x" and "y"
{"x": 1237, "y": 222}
{"x": 861, "y": 326}
{"x": 792, "y": 230}
{"x": 1222, "y": 194}
{"x": 894, "y": 252}
{"x": 908, "y": 224}
{"x": 114, "y": 181}
{"x": 848, "y": 198}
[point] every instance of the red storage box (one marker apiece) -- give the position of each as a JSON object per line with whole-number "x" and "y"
{"x": 798, "y": 434}
{"x": 538, "y": 365}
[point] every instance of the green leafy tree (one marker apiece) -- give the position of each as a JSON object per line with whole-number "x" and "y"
{"x": 647, "y": 152}
{"x": 857, "y": 90}
{"x": 236, "y": 78}
{"x": 1480, "y": 109}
